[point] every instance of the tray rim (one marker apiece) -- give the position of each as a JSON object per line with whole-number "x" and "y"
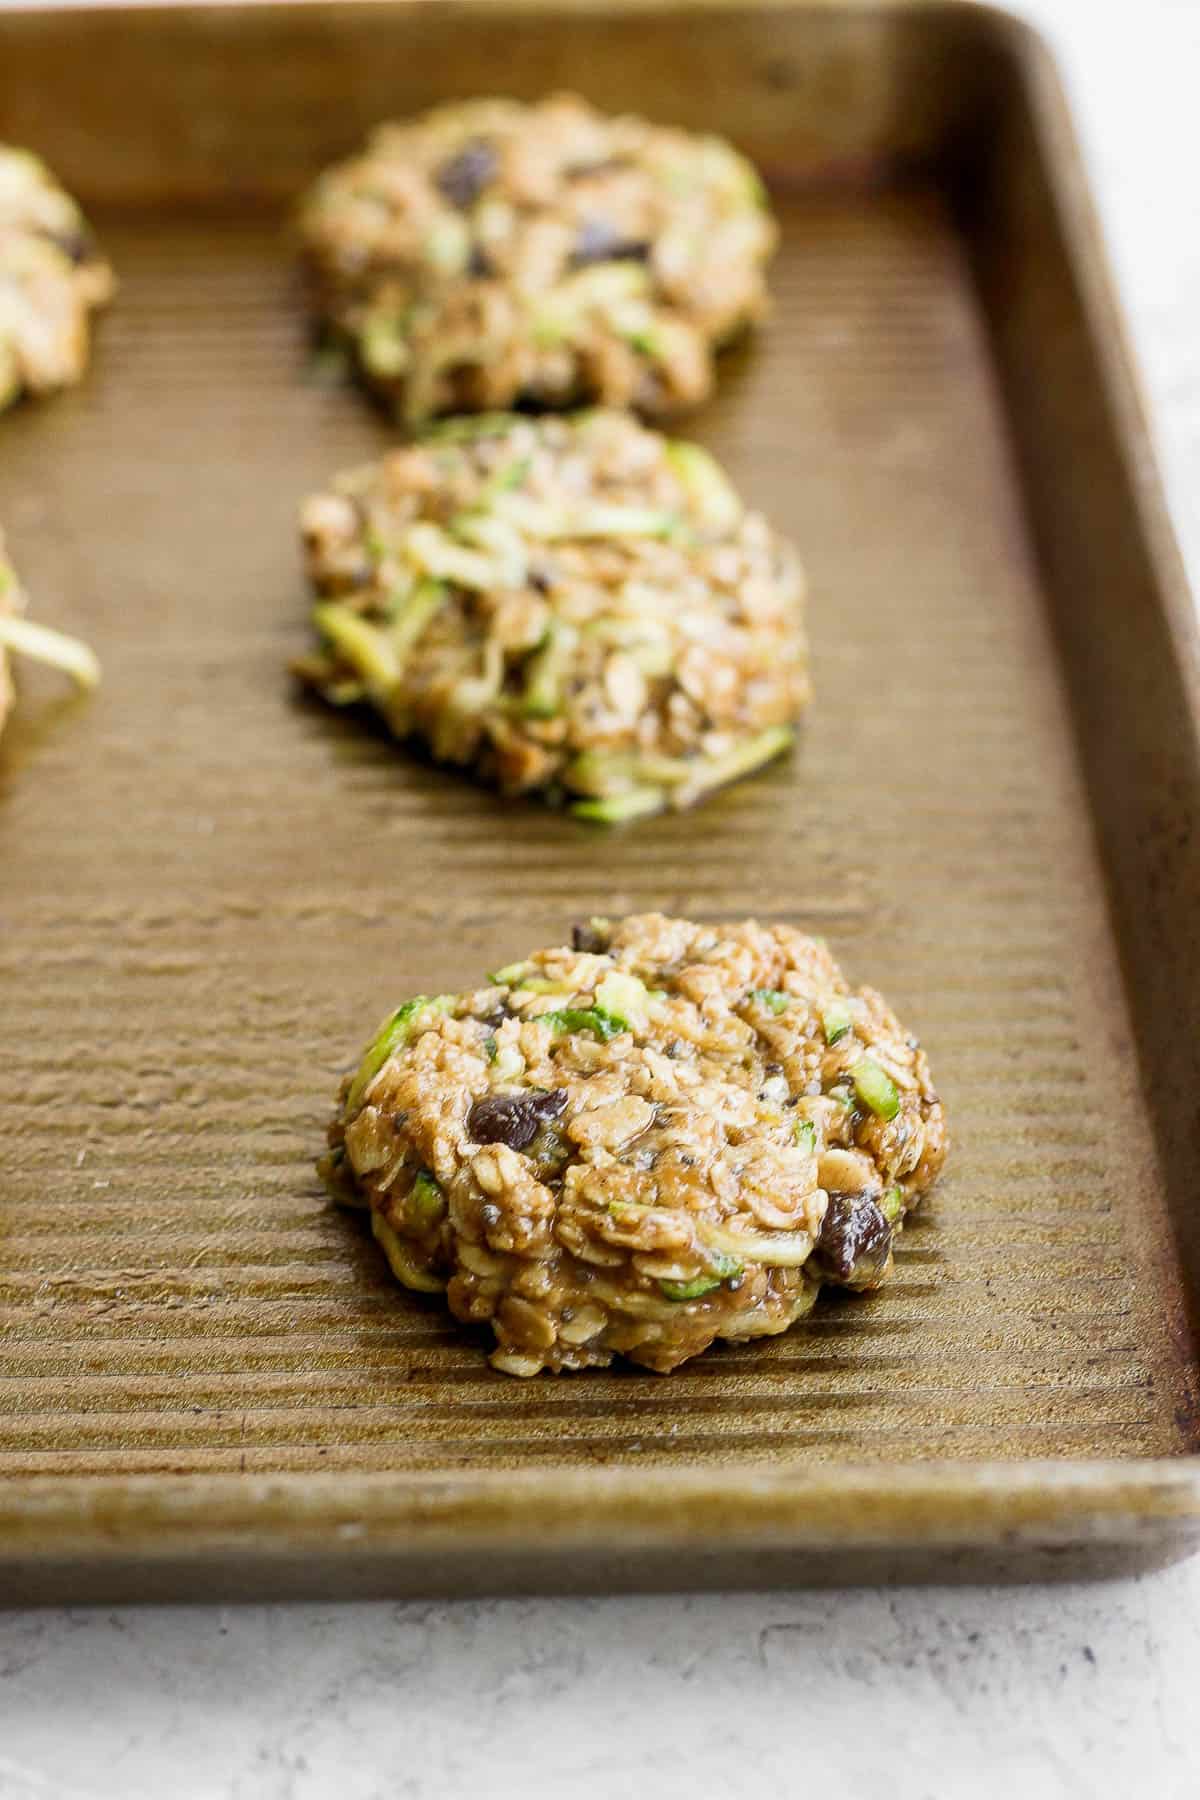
{"x": 932, "y": 1507}
{"x": 947, "y": 1502}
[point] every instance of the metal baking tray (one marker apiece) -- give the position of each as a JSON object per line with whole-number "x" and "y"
{"x": 209, "y": 889}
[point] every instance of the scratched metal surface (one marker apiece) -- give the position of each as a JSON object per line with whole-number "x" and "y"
{"x": 209, "y": 891}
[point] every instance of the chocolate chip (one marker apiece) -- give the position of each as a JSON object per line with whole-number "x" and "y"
{"x": 600, "y": 241}
{"x": 480, "y": 263}
{"x": 587, "y": 938}
{"x": 77, "y": 245}
{"x": 463, "y": 177}
{"x": 513, "y": 1119}
{"x": 853, "y": 1229}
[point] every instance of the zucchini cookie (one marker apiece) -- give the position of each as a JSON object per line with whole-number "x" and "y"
{"x": 667, "y": 1134}
{"x": 52, "y": 277}
{"x": 20, "y": 635}
{"x": 574, "y": 605}
{"x": 490, "y": 252}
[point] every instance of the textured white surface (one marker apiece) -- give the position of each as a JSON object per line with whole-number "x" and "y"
{"x": 1079, "y": 1693}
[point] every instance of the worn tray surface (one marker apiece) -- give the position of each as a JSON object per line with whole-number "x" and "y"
{"x": 209, "y": 890}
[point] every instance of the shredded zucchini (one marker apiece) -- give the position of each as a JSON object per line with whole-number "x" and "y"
{"x": 601, "y": 773}
{"x": 41, "y": 644}
{"x": 426, "y": 1203}
{"x": 413, "y": 615}
{"x": 836, "y": 1021}
{"x": 543, "y": 696}
{"x": 509, "y": 974}
{"x": 689, "y": 1290}
{"x": 383, "y": 346}
{"x": 403, "y": 1264}
{"x": 613, "y": 809}
{"x": 436, "y": 553}
{"x": 623, "y": 996}
{"x": 368, "y": 648}
{"x": 721, "y": 1268}
{"x": 892, "y": 1205}
{"x": 392, "y": 1035}
{"x": 875, "y": 1088}
{"x": 601, "y": 1024}
{"x": 714, "y": 771}
{"x": 709, "y": 488}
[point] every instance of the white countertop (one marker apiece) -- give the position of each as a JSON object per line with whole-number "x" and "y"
{"x": 1042, "y": 1693}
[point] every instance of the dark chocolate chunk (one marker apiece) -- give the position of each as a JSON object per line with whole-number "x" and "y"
{"x": 587, "y": 938}
{"x": 600, "y": 241}
{"x": 513, "y": 1119}
{"x": 853, "y": 1232}
{"x": 78, "y": 245}
{"x": 463, "y": 177}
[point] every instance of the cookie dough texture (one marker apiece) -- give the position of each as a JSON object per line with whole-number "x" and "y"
{"x": 574, "y": 605}
{"x": 491, "y": 252}
{"x": 52, "y": 278}
{"x": 665, "y": 1134}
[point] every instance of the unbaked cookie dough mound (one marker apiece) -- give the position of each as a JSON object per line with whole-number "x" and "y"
{"x": 573, "y": 605}
{"x": 665, "y": 1134}
{"x": 52, "y": 278}
{"x": 492, "y": 252}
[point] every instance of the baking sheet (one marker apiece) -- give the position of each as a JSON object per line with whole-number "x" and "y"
{"x": 210, "y": 888}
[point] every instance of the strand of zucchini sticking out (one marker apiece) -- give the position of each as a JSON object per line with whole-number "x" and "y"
{"x": 20, "y": 636}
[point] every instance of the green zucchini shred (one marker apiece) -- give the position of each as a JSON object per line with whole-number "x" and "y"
{"x": 509, "y": 974}
{"x": 715, "y": 771}
{"x": 41, "y": 643}
{"x": 773, "y": 999}
{"x": 722, "y": 1267}
{"x": 836, "y": 1021}
{"x": 614, "y": 809}
{"x": 426, "y": 1203}
{"x": 383, "y": 345}
{"x": 603, "y": 1025}
{"x": 367, "y": 648}
{"x": 543, "y": 695}
{"x": 392, "y": 1035}
{"x": 689, "y": 1290}
{"x": 892, "y": 1205}
{"x": 875, "y": 1088}
{"x": 413, "y": 614}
